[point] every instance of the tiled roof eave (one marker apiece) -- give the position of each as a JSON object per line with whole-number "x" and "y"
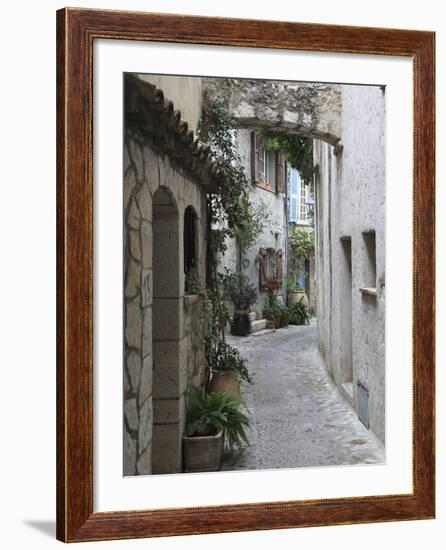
{"x": 154, "y": 118}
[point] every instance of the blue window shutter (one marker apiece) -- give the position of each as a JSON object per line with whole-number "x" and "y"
{"x": 293, "y": 196}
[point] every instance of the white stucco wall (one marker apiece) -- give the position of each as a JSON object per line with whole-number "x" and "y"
{"x": 184, "y": 91}
{"x": 350, "y": 201}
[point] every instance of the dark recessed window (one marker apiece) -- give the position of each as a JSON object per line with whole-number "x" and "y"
{"x": 190, "y": 245}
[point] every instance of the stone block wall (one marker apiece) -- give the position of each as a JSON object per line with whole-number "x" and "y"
{"x": 138, "y": 279}
{"x": 162, "y": 346}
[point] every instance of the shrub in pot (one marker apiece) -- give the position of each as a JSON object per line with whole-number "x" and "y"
{"x": 210, "y": 418}
{"x": 227, "y": 368}
{"x": 242, "y": 294}
{"x": 276, "y": 313}
{"x": 284, "y": 316}
{"x": 273, "y": 314}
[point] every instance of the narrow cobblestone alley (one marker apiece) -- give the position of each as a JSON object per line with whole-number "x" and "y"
{"x": 298, "y": 417}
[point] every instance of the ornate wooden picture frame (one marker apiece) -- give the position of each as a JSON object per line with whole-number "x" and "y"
{"x": 77, "y": 29}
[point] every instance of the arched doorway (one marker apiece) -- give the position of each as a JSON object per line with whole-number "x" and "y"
{"x": 167, "y": 335}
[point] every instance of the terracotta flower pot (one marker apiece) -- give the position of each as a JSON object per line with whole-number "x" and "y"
{"x": 202, "y": 453}
{"x": 224, "y": 381}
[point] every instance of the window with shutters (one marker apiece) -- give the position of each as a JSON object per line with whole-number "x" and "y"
{"x": 293, "y": 195}
{"x": 299, "y": 197}
{"x": 302, "y": 202}
{"x": 267, "y": 167}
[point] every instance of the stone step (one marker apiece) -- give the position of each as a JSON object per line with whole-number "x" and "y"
{"x": 252, "y": 315}
{"x": 258, "y": 325}
{"x": 263, "y": 332}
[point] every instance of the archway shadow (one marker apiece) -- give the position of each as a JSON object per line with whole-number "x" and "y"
{"x": 45, "y": 526}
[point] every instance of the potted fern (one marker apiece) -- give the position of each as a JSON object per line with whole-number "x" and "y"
{"x": 210, "y": 418}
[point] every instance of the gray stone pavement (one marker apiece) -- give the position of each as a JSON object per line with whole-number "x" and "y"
{"x": 298, "y": 416}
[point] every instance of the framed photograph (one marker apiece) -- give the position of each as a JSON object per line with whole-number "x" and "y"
{"x": 245, "y": 275}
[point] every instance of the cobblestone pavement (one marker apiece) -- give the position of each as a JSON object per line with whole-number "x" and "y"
{"x": 298, "y": 417}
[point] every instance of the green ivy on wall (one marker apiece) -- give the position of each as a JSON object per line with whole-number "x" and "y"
{"x": 298, "y": 151}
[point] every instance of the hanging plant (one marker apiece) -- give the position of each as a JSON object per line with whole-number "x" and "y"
{"x": 298, "y": 151}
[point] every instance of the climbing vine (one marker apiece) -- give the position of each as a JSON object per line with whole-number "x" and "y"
{"x": 230, "y": 211}
{"x": 298, "y": 151}
{"x": 230, "y": 214}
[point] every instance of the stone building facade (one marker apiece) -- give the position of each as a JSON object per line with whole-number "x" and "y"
{"x": 269, "y": 195}
{"x": 166, "y": 174}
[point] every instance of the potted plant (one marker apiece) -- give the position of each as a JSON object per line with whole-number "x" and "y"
{"x": 295, "y": 292}
{"x": 301, "y": 247}
{"x": 227, "y": 368}
{"x": 242, "y": 294}
{"x": 299, "y": 314}
{"x": 210, "y": 418}
{"x": 276, "y": 313}
{"x": 284, "y": 316}
{"x": 272, "y": 313}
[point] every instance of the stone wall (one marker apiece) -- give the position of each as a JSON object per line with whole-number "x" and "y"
{"x": 350, "y": 201}
{"x": 162, "y": 351}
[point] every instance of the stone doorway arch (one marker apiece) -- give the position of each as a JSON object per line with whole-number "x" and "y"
{"x": 167, "y": 428}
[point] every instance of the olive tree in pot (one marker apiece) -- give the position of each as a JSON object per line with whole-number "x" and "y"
{"x": 212, "y": 417}
{"x": 242, "y": 294}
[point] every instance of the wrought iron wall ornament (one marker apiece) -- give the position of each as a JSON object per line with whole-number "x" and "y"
{"x": 270, "y": 268}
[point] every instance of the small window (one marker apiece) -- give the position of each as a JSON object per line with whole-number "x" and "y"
{"x": 369, "y": 272}
{"x": 189, "y": 236}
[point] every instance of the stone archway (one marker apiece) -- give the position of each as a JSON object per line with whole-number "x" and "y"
{"x": 167, "y": 429}
{"x": 308, "y": 109}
